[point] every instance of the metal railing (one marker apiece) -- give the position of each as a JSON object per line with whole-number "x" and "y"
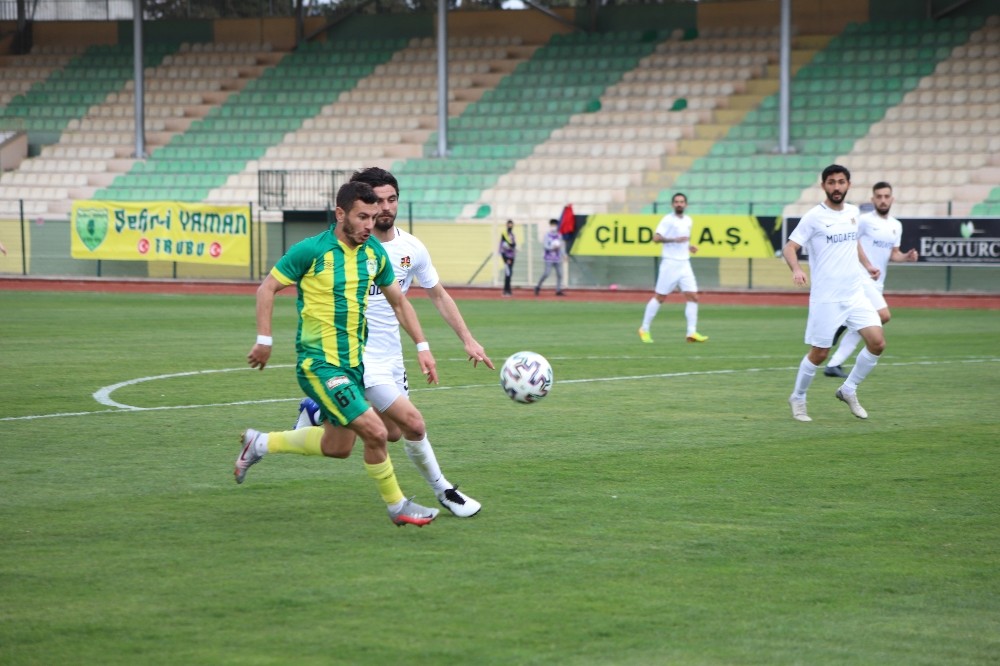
{"x": 299, "y": 189}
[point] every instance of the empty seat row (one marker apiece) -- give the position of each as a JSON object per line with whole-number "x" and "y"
{"x": 671, "y": 89}
{"x": 338, "y": 138}
{"x": 411, "y": 82}
{"x": 583, "y": 134}
{"x": 328, "y": 151}
{"x": 430, "y": 68}
{"x": 940, "y": 145}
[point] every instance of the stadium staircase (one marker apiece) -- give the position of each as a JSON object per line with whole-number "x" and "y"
{"x": 250, "y": 121}
{"x": 388, "y": 116}
{"x": 935, "y": 143}
{"x": 740, "y": 173}
{"x": 604, "y": 147}
{"x": 97, "y": 147}
{"x": 63, "y": 88}
{"x": 608, "y": 122}
{"x": 562, "y": 78}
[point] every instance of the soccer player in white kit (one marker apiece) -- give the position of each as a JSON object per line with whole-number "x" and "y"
{"x": 829, "y": 233}
{"x": 674, "y": 231}
{"x": 386, "y": 385}
{"x": 880, "y": 235}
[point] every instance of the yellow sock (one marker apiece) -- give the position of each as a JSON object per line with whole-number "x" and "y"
{"x": 304, "y": 441}
{"x": 385, "y": 479}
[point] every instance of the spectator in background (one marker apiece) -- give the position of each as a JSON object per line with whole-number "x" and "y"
{"x": 508, "y": 250}
{"x": 674, "y": 232}
{"x": 553, "y": 244}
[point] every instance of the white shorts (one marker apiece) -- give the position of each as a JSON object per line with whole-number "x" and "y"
{"x": 385, "y": 381}
{"x": 675, "y": 274}
{"x": 873, "y": 292}
{"x": 826, "y": 318}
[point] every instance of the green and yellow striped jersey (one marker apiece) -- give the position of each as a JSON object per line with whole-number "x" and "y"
{"x": 333, "y": 285}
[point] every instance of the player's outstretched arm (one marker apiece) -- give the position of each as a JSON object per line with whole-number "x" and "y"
{"x": 446, "y": 305}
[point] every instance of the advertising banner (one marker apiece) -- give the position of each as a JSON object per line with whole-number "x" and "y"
{"x": 954, "y": 241}
{"x": 161, "y": 231}
{"x": 612, "y": 235}
{"x": 943, "y": 240}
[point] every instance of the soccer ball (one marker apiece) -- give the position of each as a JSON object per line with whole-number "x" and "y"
{"x": 526, "y": 377}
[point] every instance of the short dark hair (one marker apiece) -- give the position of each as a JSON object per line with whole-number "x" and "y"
{"x": 881, "y": 185}
{"x": 553, "y": 221}
{"x": 351, "y": 192}
{"x": 835, "y": 168}
{"x": 375, "y": 177}
{"x": 679, "y": 194}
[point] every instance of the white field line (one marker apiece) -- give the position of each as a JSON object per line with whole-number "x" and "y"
{"x": 103, "y": 395}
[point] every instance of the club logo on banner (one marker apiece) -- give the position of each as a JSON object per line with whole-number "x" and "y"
{"x": 161, "y": 231}
{"x": 91, "y": 226}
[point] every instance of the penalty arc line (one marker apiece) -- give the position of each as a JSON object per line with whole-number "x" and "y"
{"x": 103, "y": 395}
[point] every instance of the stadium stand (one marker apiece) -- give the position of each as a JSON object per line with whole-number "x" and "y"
{"x": 19, "y": 74}
{"x": 510, "y": 120}
{"x": 387, "y": 117}
{"x": 741, "y": 173}
{"x": 934, "y": 145}
{"x": 612, "y": 121}
{"x": 98, "y": 146}
{"x": 242, "y": 128}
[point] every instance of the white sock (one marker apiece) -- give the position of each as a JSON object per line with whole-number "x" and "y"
{"x": 864, "y": 364}
{"x": 846, "y": 347}
{"x": 691, "y": 314}
{"x": 421, "y": 454}
{"x": 260, "y": 445}
{"x": 804, "y": 378}
{"x": 651, "y": 309}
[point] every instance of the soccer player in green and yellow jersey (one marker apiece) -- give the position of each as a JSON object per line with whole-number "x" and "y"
{"x": 334, "y": 272}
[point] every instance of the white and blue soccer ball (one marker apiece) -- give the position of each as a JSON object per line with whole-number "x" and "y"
{"x": 526, "y": 377}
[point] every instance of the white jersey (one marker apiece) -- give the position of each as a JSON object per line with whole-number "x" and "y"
{"x": 879, "y": 236}
{"x": 672, "y": 226}
{"x": 830, "y": 237}
{"x": 410, "y": 259}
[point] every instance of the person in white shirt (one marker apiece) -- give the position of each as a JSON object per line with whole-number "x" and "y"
{"x": 829, "y": 234}
{"x": 880, "y": 235}
{"x": 674, "y": 232}
{"x": 386, "y": 383}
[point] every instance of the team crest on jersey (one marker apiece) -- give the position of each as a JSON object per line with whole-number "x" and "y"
{"x": 404, "y": 262}
{"x": 334, "y": 382}
{"x": 372, "y": 266}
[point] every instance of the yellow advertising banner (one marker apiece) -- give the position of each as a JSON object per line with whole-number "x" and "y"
{"x": 161, "y": 231}
{"x": 611, "y": 235}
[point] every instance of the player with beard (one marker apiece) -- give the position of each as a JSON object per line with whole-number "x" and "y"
{"x": 829, "y": 234}
{"x": 333, "y": 272}
{"x": 386, "y": 384}
{"x": 674, "y": 232}
{"x": 880, "y": 235}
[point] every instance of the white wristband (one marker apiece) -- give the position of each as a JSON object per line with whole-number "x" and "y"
{"x": 265, "y": 340}
{"x": 423, "y": 346}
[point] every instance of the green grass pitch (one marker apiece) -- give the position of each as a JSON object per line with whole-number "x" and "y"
{"x": 659, "y": 507}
